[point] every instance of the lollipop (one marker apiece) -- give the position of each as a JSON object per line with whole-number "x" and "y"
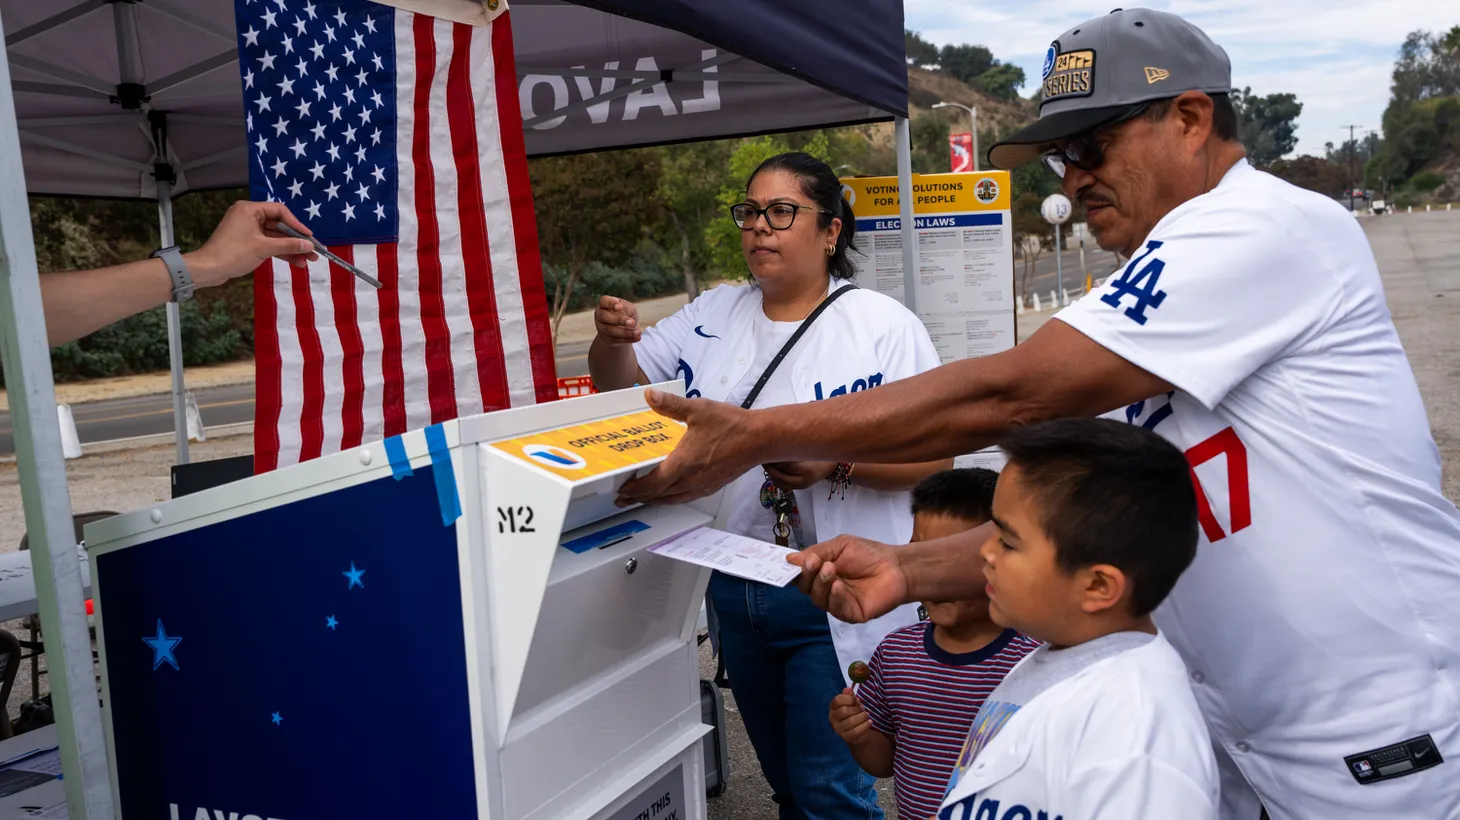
{"x": 858, "y": 672}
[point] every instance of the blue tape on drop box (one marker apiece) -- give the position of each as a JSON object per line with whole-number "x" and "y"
{"x": 606, "y": 537}
{"x": 395, "y": 452}
{"x": 445, "y": 475}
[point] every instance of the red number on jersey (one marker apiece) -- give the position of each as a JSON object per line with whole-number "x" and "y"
{"x": 1223, "y": 443}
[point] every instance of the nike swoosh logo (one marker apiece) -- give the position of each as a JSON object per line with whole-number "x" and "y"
{"x": 700, "y": 331}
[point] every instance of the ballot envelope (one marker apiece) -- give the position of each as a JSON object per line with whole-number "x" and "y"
{"x": 457, "y": 622}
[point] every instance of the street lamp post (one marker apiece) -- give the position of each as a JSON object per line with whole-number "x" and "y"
{"x": 973, "y": 123}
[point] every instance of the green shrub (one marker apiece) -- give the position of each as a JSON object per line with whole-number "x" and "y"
{"x": 1427, "y": 180}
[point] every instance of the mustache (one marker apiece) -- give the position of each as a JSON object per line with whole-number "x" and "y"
{"x": 1090, "y": 198}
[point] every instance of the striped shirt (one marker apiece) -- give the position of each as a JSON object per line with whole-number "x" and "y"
{"x": 925, "y": 698}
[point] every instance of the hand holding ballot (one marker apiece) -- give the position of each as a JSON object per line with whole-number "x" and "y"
{"x": 731, "y": 554}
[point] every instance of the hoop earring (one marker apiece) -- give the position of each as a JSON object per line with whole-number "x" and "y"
{"x": 831, "y": 250}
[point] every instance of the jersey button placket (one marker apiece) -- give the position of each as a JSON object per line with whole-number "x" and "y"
{"x": 1243, "y": 747}
{"x": 1198, "y": 677}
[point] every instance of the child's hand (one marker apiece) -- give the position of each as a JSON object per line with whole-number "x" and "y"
{"x": 848, "y": 718}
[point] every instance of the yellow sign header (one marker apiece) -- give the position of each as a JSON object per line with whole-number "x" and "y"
{"x": 598, "y": 447}
{"x": 933, "y": 194}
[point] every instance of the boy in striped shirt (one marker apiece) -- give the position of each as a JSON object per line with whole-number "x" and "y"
{"x": 910, "y": 718}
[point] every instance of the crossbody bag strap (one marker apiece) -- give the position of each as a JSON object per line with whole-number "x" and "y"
{"x": 791, "y": 342}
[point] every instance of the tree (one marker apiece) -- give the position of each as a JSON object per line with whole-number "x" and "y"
{"x": 691, "y": 177}
{"x": 1267, "y": 126}
{"x": 965, "y": 62}
{"x": 920, "y": 52}
{"x": 1327, "y": 176}
{"x": 1029, "y": 229}
{"x": 721, "y": 235}
{"x": 590, "y": 208}
{"x": 1002, "y": 81}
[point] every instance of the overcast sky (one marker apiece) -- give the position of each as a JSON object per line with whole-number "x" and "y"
{"x": 1336, "y": 55}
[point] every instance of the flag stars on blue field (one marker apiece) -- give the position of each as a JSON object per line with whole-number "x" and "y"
{"x": 352, "y": 573}
{"x": 331, "y": 622}
{"x": 277, "y": 718}
{"x": 162, "y": 647}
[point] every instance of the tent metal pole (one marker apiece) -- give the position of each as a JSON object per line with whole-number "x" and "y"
{"x": 174, "y": 333}
{"x": 44, "y": 494}
{"x": 905, "y": 200}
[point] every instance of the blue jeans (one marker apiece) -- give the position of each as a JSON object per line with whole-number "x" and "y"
{"x": 784, "y": 673}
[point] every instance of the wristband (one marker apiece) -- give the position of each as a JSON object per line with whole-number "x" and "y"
{"x": 182, "y": 281}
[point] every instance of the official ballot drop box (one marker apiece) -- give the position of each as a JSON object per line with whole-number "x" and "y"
{"x": 453, "y": 623}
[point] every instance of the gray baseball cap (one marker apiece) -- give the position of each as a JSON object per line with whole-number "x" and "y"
{"x": 1096, "y": 72}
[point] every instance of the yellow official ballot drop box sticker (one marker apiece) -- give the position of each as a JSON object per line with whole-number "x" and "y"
{"x": 598, "y": 447}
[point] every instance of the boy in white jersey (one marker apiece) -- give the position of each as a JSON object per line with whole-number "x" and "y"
{"x": 1096, "y": 520}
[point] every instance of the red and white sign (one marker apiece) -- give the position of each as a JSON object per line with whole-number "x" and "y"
{"x": 960, "y": 150}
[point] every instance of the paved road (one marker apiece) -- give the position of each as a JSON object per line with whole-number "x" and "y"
{"x": 150, "y": 415}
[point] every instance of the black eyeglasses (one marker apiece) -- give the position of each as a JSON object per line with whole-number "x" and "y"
{"x": 1082, "y": 150}
{"x": 779, "y": 215}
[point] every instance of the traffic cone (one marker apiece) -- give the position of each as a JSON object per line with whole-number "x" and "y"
{"x": 196, "y": 431}
{"x": 70, "y": 442}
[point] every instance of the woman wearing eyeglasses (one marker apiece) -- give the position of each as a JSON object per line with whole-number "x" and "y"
{"x": 787, "y": 659}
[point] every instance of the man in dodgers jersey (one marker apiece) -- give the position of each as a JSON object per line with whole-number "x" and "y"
{"x": 1320, "y": 622}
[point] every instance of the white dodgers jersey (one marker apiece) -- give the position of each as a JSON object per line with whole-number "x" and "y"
{"x": 1320, "y": 621}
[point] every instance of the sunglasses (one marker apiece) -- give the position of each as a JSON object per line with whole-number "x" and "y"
{"x": 1083, "y": 150}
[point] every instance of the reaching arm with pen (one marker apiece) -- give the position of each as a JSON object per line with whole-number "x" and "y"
{"x": 81, "y": 302}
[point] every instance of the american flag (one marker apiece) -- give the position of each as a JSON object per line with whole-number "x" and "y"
{"x": 397, "y": 138}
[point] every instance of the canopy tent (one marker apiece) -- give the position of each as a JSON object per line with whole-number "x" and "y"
{"x": 142, "y": 99}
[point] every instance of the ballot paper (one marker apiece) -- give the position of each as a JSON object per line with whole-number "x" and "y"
{"x": 731, "y": 554}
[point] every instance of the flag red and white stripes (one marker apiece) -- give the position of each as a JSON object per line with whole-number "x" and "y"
{"x": 460, "y": 325}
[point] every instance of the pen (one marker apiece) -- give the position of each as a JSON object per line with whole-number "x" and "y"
{"x": 323, "y": 251}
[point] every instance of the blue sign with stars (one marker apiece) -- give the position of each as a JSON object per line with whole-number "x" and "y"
{"x": 306, "y": 661}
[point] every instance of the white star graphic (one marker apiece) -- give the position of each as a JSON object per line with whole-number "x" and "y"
{"x": 312, "y": 210}
{"x": 335, "y": 112}
{"x": 360, "y": 154}
{"x": 251, "y": 37}
{"x": 309, "y": 10}
{"x": 262, "y": 145}
{"x": 375, "y": 137}
{"x": 329, "y": 32}
{"x": 317, "y": 170}
{"x": 358, "y": 40}
{"x": 361, "y": 76}
{"x": 280, "y": 127}
{"x": 298, "y": 149}
{"x": 350, "y": 96}
{"x": 364, "y": 115}
{"x": 379, "y": 64}
{"x": 318, "y": 130}
{"x": 349, "y": 212}
{"x": 288, "y": 44}
{"x": 248, "y": 122}
{"x": 349, "y": 56}
{"x": 340, "y": 17}
{"x": 248, "y": 80}
{"x": 317, "y": 50}
{"x": 286, "y": 87}
{"x": 266, "y": 62}
{"x": 262, "y": 102}
{"x": 303, "y": 67}
{"x": 295, "y": 189}
{"x": 363, "y": 192}
{"x": 302, "y": 108}
{"x": 379, "y": 210}
{"x": 378, "y": 173}
{"x": 333, "y": 191}
{"x": 370, "y": 24}
{"x": 299, "y": 26}
{"x": 349, "y": 174}
{"x": 319, "y": 91}
{"x": 334, "y": 152}
{"x": 332, "y": 72}
{"x": 375, "y": 98}
{"x": 268, "y": 20}
{"x": 350, "y": 134}
{"x": 281, "y": 5}
{"x": 278, "y": 167}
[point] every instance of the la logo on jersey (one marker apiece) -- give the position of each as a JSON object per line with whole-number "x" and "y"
{"x": 1138, "y": 285}
{"x": 989, "y": 810}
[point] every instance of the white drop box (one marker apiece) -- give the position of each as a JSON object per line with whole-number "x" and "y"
{"x": 395, "y": 632}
